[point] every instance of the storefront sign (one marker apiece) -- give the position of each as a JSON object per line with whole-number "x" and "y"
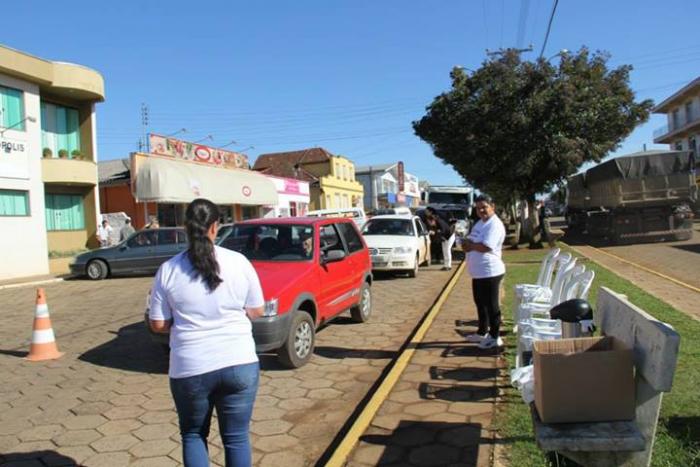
{"x": 400, "y": 176}
{"x": 171, "y": 147}
{"x": 14, "y": 158}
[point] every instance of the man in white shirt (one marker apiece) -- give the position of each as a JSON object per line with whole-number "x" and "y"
{"x": 483, "y": 247}
{"x": 104, "y": 232}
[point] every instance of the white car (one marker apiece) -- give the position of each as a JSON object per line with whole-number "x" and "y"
{"x": 397, "y": 243}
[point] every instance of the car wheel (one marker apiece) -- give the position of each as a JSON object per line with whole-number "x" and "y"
{"x": 97, "y": 269}
{"x": 299, "y": 346}
{"x": 362, "y": 311}
{"x": 414, "y": 272}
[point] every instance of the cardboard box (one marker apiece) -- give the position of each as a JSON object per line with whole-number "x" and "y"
{"x": 588, "y": 379}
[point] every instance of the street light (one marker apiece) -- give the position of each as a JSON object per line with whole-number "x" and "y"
{"x": 31, "y": 119}
{"x": 181, "y": 130}
{"x": 464, "y": 68}
{"x": 228, "y": 144}
{"x": 559, "y": 54}
{"x": 204, "y": 139}
{"x": 249, "y": 147}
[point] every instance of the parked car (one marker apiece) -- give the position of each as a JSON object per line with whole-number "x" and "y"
{"x": 397, "y": 243}
{"x": 142, "y": 253}
{"x": 400, "y": 210}
{"x": 356, "y": 214}
{"x": 311, "y": 270}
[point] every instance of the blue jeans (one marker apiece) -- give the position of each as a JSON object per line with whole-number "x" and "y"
{"x": 232, "y": 391}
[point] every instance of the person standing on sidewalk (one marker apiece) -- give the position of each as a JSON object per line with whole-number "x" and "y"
{"x": 206, "y": 298}
{"x": 126, "y": 231}
{"x": 104, "y": 234}
{"x": 446, "y": 236}
{"x": 483, "y": 247}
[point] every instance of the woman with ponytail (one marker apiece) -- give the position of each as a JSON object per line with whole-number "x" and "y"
{"x": 205, "y": 298}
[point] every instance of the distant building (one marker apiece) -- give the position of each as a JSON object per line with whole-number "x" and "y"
{"x": 48, "y": 155}
{"x": 682, "y": 109}
{"x": 331, "y": 177}
{"x": 388, "y": 185}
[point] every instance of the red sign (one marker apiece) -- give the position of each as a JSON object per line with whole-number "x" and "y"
{"x": 400, "y": 176}
{"x": 291, "y": 186}
{"x": 246, "y": 191}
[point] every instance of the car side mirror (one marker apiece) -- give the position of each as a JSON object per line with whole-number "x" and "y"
{"x": 332, "y": 256}
{"x": 124, "y": 247}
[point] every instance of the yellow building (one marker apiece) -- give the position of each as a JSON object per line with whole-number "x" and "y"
{"x": 48, "y": 171}
{"x": 331, "y": 178}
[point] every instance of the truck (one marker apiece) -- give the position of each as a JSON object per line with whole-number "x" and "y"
{"x": 450, "y": 202}
{"x": 641, "y": 197}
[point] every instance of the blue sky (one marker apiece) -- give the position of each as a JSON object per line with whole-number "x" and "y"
{"x": 346, "y": 75}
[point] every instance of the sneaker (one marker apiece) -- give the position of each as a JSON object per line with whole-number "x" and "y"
{"x": 489, "y": 342}
{"x": 476, "y": 338}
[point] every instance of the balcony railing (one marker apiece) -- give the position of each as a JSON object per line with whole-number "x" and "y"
{"x": 659, "y": 132}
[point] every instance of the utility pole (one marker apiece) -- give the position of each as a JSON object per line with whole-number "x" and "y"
{"x": 144, "y": 127}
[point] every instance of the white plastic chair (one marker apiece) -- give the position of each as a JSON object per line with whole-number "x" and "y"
{"x": 544, "y": 278}
{"x": 565, "y": 263}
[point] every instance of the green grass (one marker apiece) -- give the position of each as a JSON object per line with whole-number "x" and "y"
{"x": 678, "y": 436}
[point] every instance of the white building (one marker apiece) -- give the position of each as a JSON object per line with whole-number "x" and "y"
{"x": 293, "y": 198}
{"x": 48, "y": 154}
{"x": 388, "y": 185}
{"x": 682, "y": 109}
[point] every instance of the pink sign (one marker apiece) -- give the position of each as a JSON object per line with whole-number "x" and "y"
{"x": 291, "y": 186}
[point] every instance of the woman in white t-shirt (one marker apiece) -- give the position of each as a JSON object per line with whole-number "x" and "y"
{"x": 486, "y": 267}
{"x": 205, "y": 297}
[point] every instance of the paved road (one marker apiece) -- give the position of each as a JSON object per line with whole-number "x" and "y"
{"x": 107, "y": 401}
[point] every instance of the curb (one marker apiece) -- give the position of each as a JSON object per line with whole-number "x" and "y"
{"x": 27, "y": 284}
{"x": 364, "y": 419}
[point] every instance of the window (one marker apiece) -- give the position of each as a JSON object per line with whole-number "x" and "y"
{"x": 271, "y": 242}
{"x": 351, "y": 237}
{"x": 293, "y": 209}
{"x": 144, "y": 238}
{"x": 346, "y": 201}
{"x": 64, "y": 212}
{"x": 249, "y": 212}
{"x": 60, "y": 128}
{"x": 676, "y": 121}
{"x": 14, "y": 203}
{"x": 330, "y": 239}
{"x": 688, "y": 112}
{"x": 337, "y": 200}
{"x": 11, "y": 108}
{"x": 167, "y": 237}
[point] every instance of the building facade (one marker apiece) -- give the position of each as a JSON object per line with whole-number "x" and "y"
{"x": 160, "y": 184}
{"x": 682, "y": 109}
{"x": 388, "y": 185}
{"x": 48, "y": 160}
{"x": 293, "y": 198}
{"x": 331, "y": 178}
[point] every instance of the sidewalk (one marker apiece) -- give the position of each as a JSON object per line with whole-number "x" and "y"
{"x": 440, "y": 410}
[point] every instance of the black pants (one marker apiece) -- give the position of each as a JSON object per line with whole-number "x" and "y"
{"x": 486, "y": 298}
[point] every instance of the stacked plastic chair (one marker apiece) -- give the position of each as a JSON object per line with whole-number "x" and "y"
{"x": 544, "y": 278}
{"x": 535, "y": 322}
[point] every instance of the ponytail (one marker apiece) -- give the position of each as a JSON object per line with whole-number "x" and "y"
{"x": 199, "y": 217}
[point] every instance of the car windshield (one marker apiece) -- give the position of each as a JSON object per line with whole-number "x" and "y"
{"x": 449, "y": 198}
{"x": 270, "y": 242}
{"x": 388, "y": 227}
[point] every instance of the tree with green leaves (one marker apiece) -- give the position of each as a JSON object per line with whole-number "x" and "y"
{"x": 515, "y": 128}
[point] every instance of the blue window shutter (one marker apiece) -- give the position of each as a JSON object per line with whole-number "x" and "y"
{"x": 12, "y": 108}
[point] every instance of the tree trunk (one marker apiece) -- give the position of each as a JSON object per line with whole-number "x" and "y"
{"x": 534, "y": 224}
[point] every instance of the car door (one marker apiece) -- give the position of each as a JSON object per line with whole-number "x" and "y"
{"x": 335, "y": 278}
{"x": 423, "y": 238}
{"x": 135, "y": 255}
{"x": 357, "y": 256}
{"x": 170, "y": 243}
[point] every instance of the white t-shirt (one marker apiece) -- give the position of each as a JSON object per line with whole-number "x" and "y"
{"x": 491, "y": 233}
{"x": 210, "y": 330}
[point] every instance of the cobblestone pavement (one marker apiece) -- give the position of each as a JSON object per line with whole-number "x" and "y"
{"x": 439, "y": 412}
{"x": 107, "y": 402}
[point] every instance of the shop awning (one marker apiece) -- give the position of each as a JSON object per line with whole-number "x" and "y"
{"x": 172, "y": 181}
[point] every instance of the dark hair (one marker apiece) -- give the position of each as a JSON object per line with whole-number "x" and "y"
{"x": 200, "y": 215}
{"x": 484, "y": 199}
{"x": 430, "y": 210}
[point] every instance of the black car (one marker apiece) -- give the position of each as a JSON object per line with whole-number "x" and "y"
{"x": 142, "y": 253}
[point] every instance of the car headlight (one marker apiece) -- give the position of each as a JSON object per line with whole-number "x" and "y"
{"x": 271, "y": 307}
{"x": 402, "y": 250}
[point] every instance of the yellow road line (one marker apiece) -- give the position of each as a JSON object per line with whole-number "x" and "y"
{"x": 664, "y": 276}
{"x": 350, "y": 440}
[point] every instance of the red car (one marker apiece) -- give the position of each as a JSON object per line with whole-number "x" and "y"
{"x": 311, "y": 270}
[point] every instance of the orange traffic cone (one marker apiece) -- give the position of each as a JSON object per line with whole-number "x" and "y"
{"x": 43, "y": 340}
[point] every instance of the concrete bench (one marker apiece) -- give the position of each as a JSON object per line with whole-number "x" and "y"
{"x": 655, "y": 346}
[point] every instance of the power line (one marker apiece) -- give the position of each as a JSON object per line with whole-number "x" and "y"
{"x": 549, "y": 27}
{"x": 522, "y": 22}
{"x": 486, "y": 24}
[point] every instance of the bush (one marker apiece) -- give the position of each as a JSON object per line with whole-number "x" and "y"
{"x": 63, "y": 154}
{"x": 76, "y": 154}
{"x": 47, "y": 153}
